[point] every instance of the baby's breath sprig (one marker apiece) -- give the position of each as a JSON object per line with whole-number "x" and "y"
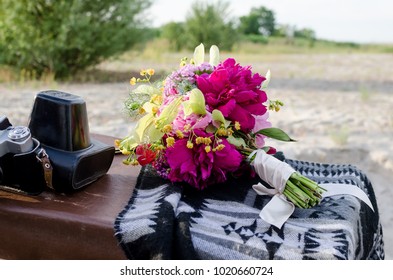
{"x": 144, "y": 93}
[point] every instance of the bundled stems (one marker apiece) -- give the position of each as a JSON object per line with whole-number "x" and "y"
{"x": 300, "y": 190}
{"x": 303, "y": 192}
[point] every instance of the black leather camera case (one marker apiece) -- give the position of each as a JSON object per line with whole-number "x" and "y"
{"x": 59, "y": 121}
{"x": 74, "y": 170}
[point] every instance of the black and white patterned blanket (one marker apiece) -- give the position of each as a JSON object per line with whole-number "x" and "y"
{"x": 166, "y": 221}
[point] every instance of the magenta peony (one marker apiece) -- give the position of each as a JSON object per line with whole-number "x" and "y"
{"x": 198, "y": 167}
{"x": 235, "y": 91}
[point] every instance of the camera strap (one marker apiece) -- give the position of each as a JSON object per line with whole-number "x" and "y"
{"x": 43, "y": 158}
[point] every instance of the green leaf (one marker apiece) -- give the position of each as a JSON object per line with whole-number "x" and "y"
{"x": 199, "y": 54}
{"x": 238, "y": 142}
{"x": 214, "y": 55}
{"x": 275, "y": 133}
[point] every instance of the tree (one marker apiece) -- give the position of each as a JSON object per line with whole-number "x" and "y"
{"x": 175, "y": 33}
{"x": 260, "y": 21}
{"x": 305, "y": 33}
{"x": 210, "y": 24}
{"x": 64, "y": 36}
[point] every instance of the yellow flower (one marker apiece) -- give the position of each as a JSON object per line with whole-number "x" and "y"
{"x": 170, "y": 141}
{"x": 179, "y": 134}
{"x": 159, "y": 148}
{"x": 167, "y": 128}
{"x": 199, "y": 140}
{"x": 154, "y": 109}
{"x": 133, "y": 81}
{"x": 207, "y": 140}
{"x": 134, "y": 162}
{"x": 237, "y": 125}
{"x": 157, "y": 99}
{"x": 150, "y": 71}
{"x": 190, "y": 145}
{"x": 220, "y": 147}
{"x": 125, "y": 152}
{"x": 222, "y": 132}
{"x": 141, "y": 110}
{"x": 143, "y": 72}
{"x": 183, "y": 62}
{"x": 208, "y": 149}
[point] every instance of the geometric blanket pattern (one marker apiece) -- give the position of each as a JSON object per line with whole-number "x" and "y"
{"x": 167, "y": 221}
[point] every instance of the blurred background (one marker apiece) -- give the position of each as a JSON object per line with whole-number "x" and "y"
{"x": 331, "y": 64}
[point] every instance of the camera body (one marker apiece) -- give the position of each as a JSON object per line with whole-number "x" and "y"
{"x": 14, "y": 140}
{"x": 55, "y": 150}
{"x": 19, "y": 158}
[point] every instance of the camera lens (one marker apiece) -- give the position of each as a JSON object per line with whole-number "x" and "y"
{"x": 19, "y": 133}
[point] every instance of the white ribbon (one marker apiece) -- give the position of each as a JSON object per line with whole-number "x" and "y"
{"x": 276, "y": 173}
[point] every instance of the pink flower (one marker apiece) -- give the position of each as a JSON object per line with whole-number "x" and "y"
{"x": 261, "y": 122}
{"x": 235, "y": 91}
{"x": 199, "y": 168}
{"x": 193, "y": 121}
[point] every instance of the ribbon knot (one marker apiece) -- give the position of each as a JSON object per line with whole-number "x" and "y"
{"x": 277, "y": 211}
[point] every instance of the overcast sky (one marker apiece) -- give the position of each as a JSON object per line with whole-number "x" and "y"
{"x": 363, "y": 21}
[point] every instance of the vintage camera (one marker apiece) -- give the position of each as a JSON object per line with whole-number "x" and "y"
{"x": 55, "y": 150}
{"x": 59, "y": 121}
{"x": 20, "y": 159}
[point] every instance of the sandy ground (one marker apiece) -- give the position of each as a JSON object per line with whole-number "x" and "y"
{"x": 338, "y": 107}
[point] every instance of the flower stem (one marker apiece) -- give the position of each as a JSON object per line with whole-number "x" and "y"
{"x": 302, "y": 191}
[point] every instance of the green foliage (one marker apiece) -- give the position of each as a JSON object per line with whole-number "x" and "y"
{"x": 260, "y": 21}
{"x": 210, "y": 24}
{"x": 255, "y": 38}
{"x": 305, "y": 33}
{"x": 64, "y": 36}
{"x": 175, "y": 33}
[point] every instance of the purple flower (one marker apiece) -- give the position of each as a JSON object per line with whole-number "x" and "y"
{"x": 235, "y": 91}
{"x": 183, "y": 80}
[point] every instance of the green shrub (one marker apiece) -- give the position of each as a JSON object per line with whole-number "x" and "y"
{"x": 255, "y": 38}
{"x": 64, "y": 36}
{"x": 174, "y": 32}
{"x": 210, "y": 24}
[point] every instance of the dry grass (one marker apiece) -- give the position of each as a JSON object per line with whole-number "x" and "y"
{"x": 156, "y": 54}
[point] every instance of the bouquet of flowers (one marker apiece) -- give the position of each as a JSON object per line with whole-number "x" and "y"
{"x": 206, "y": 121}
